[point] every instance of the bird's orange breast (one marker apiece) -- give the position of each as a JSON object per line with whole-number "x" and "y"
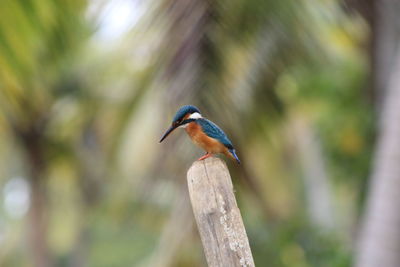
{"x": 198, "y": 137}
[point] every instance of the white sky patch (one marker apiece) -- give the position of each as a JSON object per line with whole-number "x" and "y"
{"x": 16, "y": 197}
{"x": 116, "y": 17}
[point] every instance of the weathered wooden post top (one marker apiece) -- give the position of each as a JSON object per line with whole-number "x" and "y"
{"x": 217, "y": 215}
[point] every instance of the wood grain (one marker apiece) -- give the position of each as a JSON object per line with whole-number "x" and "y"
{"x": 217, "y": 215}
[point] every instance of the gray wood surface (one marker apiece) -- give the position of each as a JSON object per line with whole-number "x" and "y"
{"x": 217, "y": 215}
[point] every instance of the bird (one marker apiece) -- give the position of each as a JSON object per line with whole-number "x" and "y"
{"x": 203, "y": 132}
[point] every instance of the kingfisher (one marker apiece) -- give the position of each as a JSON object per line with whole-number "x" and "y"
{"x": 203, "y": 132}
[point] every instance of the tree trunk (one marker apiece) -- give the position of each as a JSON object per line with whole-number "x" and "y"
{"x": 37, "y": 221}
{"x": 383, "y": 19}
{"x": 380, "y": 236}
{"x": 37, "y": 225}
{"x": 316, "y": 181}
{"x": 385, "y": 25}
{"x": 92, "y": 169}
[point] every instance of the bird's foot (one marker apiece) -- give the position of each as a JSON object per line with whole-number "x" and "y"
{"x": 207, "y": 155}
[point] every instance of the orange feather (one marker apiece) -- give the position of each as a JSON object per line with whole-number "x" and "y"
{"x": 209, "y": 144}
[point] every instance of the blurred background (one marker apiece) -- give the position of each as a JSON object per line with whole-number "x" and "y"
{"x": 307, "y": 90}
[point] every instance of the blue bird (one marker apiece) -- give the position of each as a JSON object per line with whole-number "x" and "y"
{"x": 203, "y": 133}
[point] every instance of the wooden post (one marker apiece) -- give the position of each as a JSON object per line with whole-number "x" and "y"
{"x": 217, "y": 215}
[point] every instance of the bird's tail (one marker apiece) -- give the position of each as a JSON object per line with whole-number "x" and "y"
{"x": 233, "y": 152}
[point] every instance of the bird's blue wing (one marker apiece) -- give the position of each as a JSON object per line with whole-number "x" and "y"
{"x": 212, "y": 130}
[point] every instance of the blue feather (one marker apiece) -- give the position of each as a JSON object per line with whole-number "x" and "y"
{"x": 185, "y": 110}
{"x": 212, "y": 130}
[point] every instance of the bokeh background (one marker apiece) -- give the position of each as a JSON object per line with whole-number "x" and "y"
{"x": 307, "y": 90}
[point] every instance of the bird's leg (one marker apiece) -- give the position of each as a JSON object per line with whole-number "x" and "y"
{"x": 205, "y": 156}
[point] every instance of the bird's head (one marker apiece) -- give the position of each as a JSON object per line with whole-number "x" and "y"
{"x": 182, "y": 117}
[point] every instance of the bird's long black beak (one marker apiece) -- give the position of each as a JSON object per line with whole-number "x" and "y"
{"x": 168, "y": 132}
